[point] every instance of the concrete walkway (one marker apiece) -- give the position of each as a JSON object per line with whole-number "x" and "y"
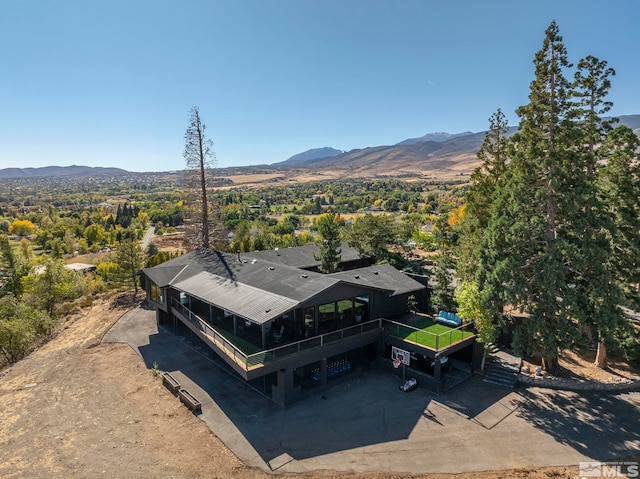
{"x": 364, "y": 423}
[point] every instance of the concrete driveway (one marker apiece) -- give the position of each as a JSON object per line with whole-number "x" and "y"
{"x": 365, "y": 423}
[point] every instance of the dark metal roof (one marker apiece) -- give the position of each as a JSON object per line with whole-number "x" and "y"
{"x": 280, "y": 279}
{"x": 380, "y": 276}
{"x": 301, "y": 256}
{"x": 163, "y": 273}
{"x": 257, "y": 289}
{"x": 243, "y": 300}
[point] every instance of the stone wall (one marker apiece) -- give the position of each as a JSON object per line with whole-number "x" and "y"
{"x": 623, "y": 385}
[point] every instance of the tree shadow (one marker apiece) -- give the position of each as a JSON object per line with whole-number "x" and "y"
{"x": 600, "y": 425}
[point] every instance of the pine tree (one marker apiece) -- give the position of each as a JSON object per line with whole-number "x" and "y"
{"x": 443, "y": 293}
{"x": 619, "y": 187}
{"x": 328, "y": 225}
{"x": 129, "y": 257}
{"x": 199, "y": 165}
{"x": 596, "y": 297}
{"x": 528, "y": 235}
{"x": 484, "y": 179}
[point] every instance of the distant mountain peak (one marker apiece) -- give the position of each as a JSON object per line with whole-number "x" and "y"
{"x": 438, "y": 137}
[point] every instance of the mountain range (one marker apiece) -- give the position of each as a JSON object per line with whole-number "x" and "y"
{"x": 440, "y": 155}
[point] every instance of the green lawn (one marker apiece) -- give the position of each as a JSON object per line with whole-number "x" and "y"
{"x": 430, "y": 334}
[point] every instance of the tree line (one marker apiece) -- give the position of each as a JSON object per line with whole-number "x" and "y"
{"x": 549, "y": 244}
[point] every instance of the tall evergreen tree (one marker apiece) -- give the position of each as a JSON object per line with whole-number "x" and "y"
{"x": 130, "y": 257}
{"x": 484, "y": 179}
{"x": 328, "y": 225}
{"x": 528, "y": 234}
{"x": 619, "y": 187}
{"x": 591, "y": 86}
{"x": 444, "y": 264}
{"x": 596, "y": 298}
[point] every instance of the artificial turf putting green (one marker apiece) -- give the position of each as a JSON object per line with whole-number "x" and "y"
{"x": 429, "y": 334}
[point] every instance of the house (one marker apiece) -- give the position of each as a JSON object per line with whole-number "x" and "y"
{"x": 274, "y": 319}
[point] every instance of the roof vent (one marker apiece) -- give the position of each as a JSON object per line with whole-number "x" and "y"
{"x": 357, "y": 276}
{"x": 375, "y": 272}
{"x": 267, "y": 310}
{"x": 253, "y": 261}
{"x": 271, "y": 268}
{"x": 304, "y": 275}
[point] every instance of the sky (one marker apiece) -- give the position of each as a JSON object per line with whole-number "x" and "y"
{"x": 110, "y": 83}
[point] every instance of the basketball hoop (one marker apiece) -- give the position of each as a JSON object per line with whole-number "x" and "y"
{"x": 397, "y": 363}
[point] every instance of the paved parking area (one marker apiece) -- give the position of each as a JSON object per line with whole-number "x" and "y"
{"x": 365, "y": 423}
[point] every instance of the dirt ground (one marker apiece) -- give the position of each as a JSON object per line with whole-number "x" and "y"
{"x": 79, "y": 408}
{"x": 574, "y": 366}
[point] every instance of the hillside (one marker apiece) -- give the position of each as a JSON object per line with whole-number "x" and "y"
{"x": 452, "y": 155}
{"x": 50, "y": 171}
{"x": 438, "y": 136}
{"x": 310, "y": 155}
{"x": 442, "y": 156}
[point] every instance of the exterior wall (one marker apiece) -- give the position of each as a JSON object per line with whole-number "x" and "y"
{"x": 382, "y": 306}
{"x": 423, "y": 297}
{"x": 336, "y": 294}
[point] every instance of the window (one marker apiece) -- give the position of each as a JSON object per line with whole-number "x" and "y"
{"x": 156, "y": 293}
{"x": 326, "y": 318}
{"x": 361, "y": 308}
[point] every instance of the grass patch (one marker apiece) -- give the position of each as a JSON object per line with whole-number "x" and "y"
{"x": 429, "y": 334}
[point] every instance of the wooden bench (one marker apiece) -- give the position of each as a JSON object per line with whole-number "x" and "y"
{"x": 171, "y": 383}
{"x": 189, "y": 400}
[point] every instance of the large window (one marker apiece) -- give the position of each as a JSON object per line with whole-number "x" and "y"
{"x": 326, "y": 318}
{"x": 156, "y": 293}
{"x": 342, "y": 314}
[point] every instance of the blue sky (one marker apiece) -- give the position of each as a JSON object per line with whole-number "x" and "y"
{"x": 110, "y": 83}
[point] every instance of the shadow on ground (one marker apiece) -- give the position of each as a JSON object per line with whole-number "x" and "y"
{"x": 367, "y": 411}
{"x": 356, "y": 411}
{"x": 483, "y": 403}
{"x": 586, "y": 421}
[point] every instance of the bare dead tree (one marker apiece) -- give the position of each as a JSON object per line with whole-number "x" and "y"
{"x": 199, "y": 166}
